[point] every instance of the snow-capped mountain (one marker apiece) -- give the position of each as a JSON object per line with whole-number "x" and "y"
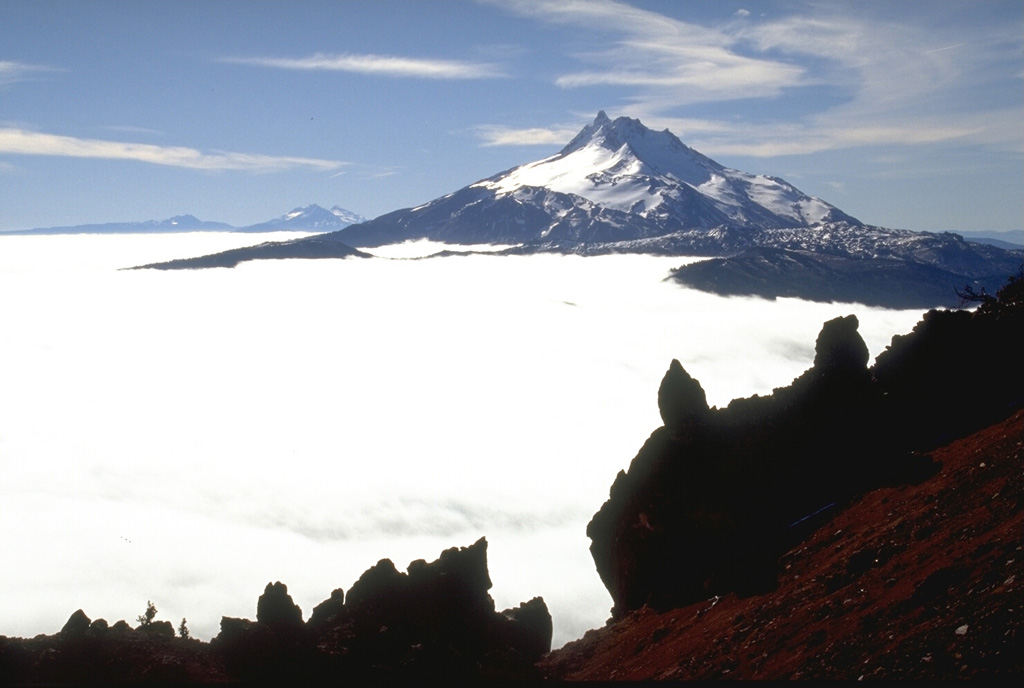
{"x": 311, "y": 218}
{"x": 619, "y": 187}
{"x": 616, "y": 180}
{"x": 347, "y": 216}
{"x": 623, "y": 165}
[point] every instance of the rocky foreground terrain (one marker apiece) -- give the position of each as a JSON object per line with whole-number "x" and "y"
{"x": 434, "y": 623}
{"x": 922, "y": 581}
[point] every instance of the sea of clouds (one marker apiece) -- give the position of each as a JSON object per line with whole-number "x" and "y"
{"x": 187, "y": 437}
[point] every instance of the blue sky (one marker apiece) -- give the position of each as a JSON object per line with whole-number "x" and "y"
{"x": 904, "y": 114}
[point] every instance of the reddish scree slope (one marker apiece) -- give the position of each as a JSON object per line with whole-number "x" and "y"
{"x": 920, "y": 581}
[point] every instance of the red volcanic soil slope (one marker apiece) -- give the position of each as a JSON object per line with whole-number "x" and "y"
{"x": 922, "y": 581}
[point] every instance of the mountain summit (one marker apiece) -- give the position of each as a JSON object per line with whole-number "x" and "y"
{"x": 616, "y": 180}
{"x": 311, "y": 218}
{"x": 623, "y": 165}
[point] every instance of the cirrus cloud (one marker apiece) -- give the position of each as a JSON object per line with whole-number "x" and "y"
{"x": 814, "y": 77}
{"x": 656, "y": 52}
{"x": 12, "y": 71}
{"x": 379, "y": 65}
{"x": 492, "y": 135}
{"x": 23, "y": 142}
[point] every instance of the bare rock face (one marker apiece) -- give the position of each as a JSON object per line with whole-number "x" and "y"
{"x": 681, "y": 401}
{"x": 77, "y": 624}
{"x": 839, "y": 347}
{"x": 435, "y": 622}
{"x": 328, "y": 609}
{"x": 529, "y": 628}
{"x": 276, "y": 609}
{"x": 711, "y": 495}
{"x": 714, "y": 496}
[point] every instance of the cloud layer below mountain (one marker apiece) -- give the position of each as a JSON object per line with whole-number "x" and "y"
{"x": 186, "y": 437}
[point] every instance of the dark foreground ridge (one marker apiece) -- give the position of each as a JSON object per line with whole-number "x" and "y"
{"x": 436, "y": 623}
{"x": 804, "y": 535}
{"x": 716, "y": 495}
{"x": 920, "y": 581}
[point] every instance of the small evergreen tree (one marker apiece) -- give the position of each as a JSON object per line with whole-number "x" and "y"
{"x": 183, "y": 629}
{"x": 147, "y": 618}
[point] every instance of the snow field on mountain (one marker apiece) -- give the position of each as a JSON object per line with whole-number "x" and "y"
{"x": 624, "y": 166}
{"x": 186, "y": 437}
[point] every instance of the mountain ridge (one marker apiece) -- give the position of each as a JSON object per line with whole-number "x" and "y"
{"x": 303, "y": 219}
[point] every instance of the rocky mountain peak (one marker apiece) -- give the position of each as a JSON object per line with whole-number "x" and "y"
{"x": 660, "y": 152}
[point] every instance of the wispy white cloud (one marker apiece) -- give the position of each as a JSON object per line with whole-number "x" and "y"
{"x": 12, "y": 71}
{"x": 831, "y": 132}
{"x": 381, "y": 174}
{"x": 131, "y": 129}
{"x": 654, "y": 51}
{"x": 379, "y": 65}
{"x": 492, "y": 135}
{"x": 23, "y": 142}
{"x": 889, "y": 79}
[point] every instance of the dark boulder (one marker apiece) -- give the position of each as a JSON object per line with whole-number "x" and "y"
{"x": 157, "y": 629}
{"x": 529, "y": 629}
{"x": 380, "y": 584}
{"x": 121, "y": 628}
{"x": 99, "y": 628}
{"x": 839, "y": 347}
{"x": 276, "y": 609}
{"x": 327, "y": 610}
{"x": 77, "y": 624}
{"x": 274, "y": 647}
{"x": 248, "y": 649}
{"x": 435, "y": 623}
{"x": 681, "y": 401}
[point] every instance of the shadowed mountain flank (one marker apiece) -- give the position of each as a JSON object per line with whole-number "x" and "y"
{"x": 322, "y": 246}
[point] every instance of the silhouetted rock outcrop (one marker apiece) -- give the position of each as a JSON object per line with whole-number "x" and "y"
{"x": 276, "y": 609}
{"x": 681, "y": 401}
{"x": 77, "y": 624}
{"x": 323, "y": 612}
{"x": 917, "y": 581}
{"x": 436, "y": 623}
{"x": 715, "y": 495}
